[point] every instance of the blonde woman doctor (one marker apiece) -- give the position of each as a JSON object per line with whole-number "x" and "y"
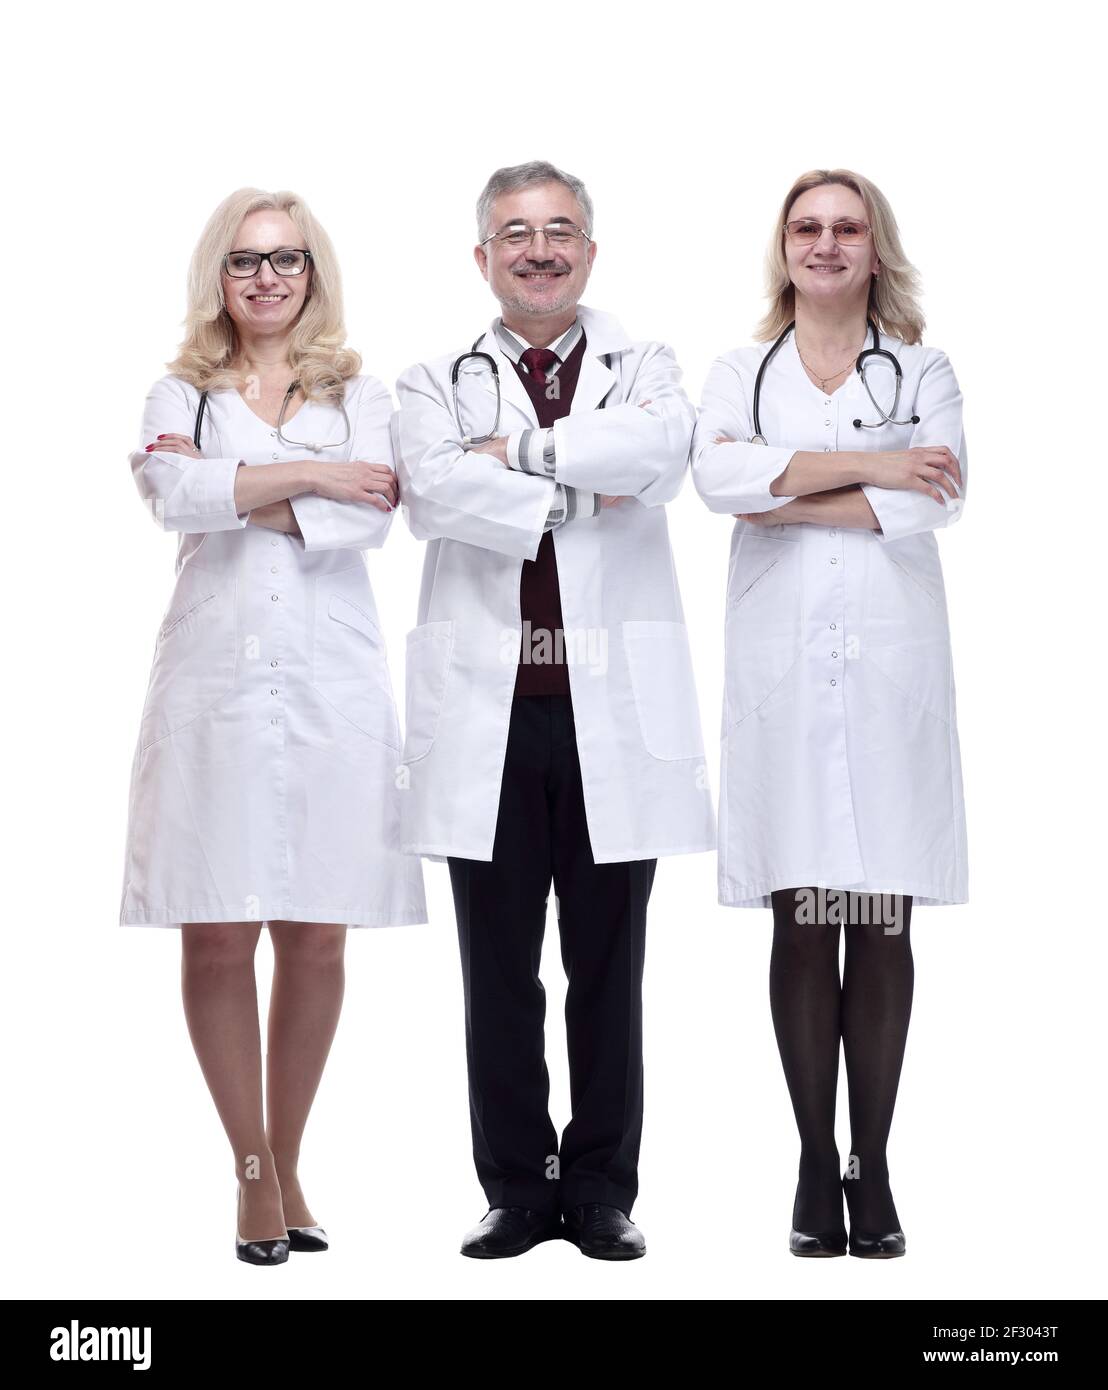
{"x": 841, "y": 791}
{"x": 263, "y": 786}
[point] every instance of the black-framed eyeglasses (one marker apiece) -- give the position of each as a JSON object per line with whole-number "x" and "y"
{"x": 289, "y": 260}
{"x": 520, "y": 234}
{"x": 848, "y": 231}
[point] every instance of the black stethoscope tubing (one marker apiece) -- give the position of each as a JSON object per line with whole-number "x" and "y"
{"x": 875, "y": 351}
{"x": 485, "y": 357}
{"x": 203, "y": 406}
{"x": 471, "y": 356}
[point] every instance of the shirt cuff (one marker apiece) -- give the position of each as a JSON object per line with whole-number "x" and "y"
{"x": 558, "y": 510}
{"x": 532, "y": 451}
{"x": 570, "y": 503}
{"x": 588, "y": 502}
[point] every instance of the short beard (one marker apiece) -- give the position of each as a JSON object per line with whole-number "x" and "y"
{"x": 557, "y": 306}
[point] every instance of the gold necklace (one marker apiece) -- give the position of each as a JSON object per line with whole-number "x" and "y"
{"x": 823, "y": 380}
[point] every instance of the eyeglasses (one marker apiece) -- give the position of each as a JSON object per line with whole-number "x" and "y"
{"x": 517, "y": 234}
{"x": 848, "y": 232}
{"x": 241, "y": 265}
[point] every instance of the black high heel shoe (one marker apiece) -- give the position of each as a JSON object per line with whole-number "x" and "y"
{"x": 308, "y": 1238}
{"x": 817, "y": 1242}
{"x": 875, "y": 1245}
{"x": 272, "y": 1251}
{"x": 885, "y": 1246}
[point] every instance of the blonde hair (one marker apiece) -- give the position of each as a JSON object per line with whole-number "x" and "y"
{"x": 893, "y": 294}
{"x": 317, "y": 353}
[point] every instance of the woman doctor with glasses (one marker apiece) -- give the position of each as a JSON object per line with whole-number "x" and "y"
{"x": 263, "y": 785}
{"x": 841, "y": 789}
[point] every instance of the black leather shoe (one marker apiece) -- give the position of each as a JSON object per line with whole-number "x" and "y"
{"x": 274, "y": 1251}
{"x": 604, "y": 1233}
{"x": 874, "y": 1245}
{"x": 505, "y": 1231}
{"x": 817, "y": 1242}
{"x": 883, "y": 1246}
{"x": 307, "y": 1238}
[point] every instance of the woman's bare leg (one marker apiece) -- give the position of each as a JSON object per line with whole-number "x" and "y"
{"x": 221, "y": 1009}
{"x": 309, "y": 980}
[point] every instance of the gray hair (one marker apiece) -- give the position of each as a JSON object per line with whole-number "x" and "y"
{"x": 517, "y": 176}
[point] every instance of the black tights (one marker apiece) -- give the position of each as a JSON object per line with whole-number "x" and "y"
{"x": 869, "y": 1010}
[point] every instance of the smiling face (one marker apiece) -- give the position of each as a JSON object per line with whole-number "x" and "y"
{"x": 825, "y": 271}
{"x": 266, "y": 303}
{"x": 541, "y": 279}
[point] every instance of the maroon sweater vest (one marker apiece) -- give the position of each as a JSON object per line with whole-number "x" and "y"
{"x": 540, "y": 601}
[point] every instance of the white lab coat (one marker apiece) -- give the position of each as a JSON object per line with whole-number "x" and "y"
{"x": 263, "y": 783}
{"x": 840, "y": 760}
{"x": 631, "y": 679}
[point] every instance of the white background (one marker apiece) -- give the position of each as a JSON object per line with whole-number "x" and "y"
{"x": 982, "y": 124}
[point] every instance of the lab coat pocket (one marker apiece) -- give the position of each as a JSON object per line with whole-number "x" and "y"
{"x": 661, "y": 673}
{"x": 763, "y": 635}
{"x": 349, "y": 664}
{"x": 905, "y": 634}
{"x": 430, "y": 649}
{"x": 194, "y": 660}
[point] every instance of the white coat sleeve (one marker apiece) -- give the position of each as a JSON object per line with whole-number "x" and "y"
{"x": 183, "y": 494}
{"x": 631, "y": 450}
{"x": 329, "y": 525}
{"x": 938, "y": 404}
{"x": 733, "y": 477}
{"x": 448, "y": 491}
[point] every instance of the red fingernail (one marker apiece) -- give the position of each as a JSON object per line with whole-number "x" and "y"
{"x": 149, "y": 447}
{"x": 161, "y": 436}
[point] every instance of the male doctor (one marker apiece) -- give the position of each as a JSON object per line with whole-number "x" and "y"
{"x": 553, "y": 732}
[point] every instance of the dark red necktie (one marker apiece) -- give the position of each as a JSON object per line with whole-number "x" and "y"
{"x": 538, "y": 362}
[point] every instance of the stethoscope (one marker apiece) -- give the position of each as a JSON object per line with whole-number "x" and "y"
{"x": 860, "y": 366}
{"x": 298, "y": 443}
{"x": 469, "y": 440}
{"x": 473, "y": 355}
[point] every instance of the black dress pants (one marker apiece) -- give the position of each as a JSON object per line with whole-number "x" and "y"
{"x": 542, "y": 836}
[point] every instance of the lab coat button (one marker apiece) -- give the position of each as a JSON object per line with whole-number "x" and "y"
{"x": 826, "y": 422}
{"x": 834, "y": 561}
{"x": 830, "y": 533}
{"x": 273, "y": 597}
{"x": 273, "y": 542}
{"x": 273, "y": 568}
{"x": 274, "y": 455}
{"x": 273, "y": 690}
{"x": 834, "y": 653}
{"x": 274, "y": 661}
{"x": 827, "y": 449}
{"x": 834, "y": 682}
{"x": 832, "y": 629}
